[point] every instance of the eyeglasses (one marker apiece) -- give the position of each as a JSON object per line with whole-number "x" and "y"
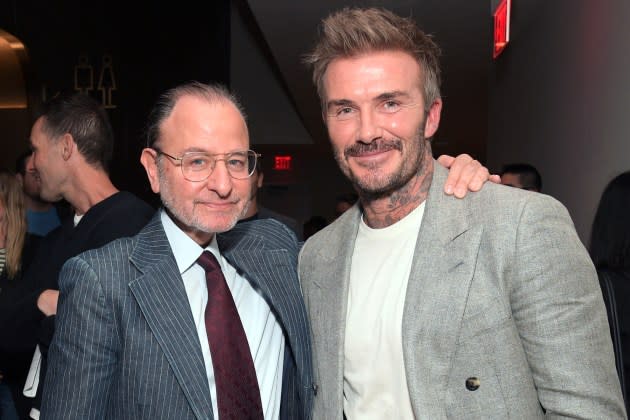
{"x": 198, "y": 166}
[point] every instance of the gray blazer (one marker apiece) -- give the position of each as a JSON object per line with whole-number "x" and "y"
{"x": 126, "y": 346}
{"x": 501, "y": 289}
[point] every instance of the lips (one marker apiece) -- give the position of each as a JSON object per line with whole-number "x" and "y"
{"x": 214, "y": 205}
{"x": 374, "y": 148}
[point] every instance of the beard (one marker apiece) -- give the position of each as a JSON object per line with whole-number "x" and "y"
{"x": 189, "y": 218}
{"x": 373, "y": 183}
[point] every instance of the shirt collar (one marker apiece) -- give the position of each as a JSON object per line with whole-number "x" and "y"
{"x": 185, "y": 249}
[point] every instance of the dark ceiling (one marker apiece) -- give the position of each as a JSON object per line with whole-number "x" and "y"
{"x": 463, "y": 29}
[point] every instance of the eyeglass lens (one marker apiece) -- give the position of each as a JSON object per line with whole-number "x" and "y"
{"x": 199, "y": 166}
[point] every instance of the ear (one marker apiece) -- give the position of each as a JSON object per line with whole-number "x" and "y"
{"x": 433, "y": 118}
{"x": 148, "y": 159}
{"x": 259, "y": 181}
{"x": 67, "y": 146}
{"x": 20, "y": 179}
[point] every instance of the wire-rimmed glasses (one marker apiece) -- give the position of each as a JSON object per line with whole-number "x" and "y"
{"x": 198, "y": 166}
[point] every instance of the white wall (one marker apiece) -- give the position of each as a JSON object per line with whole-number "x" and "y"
{"x": 560, "y": 98}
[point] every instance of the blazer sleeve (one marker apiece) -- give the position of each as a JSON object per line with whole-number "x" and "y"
{"x": 82, "y": 355}
{"x": 558, "y": 309}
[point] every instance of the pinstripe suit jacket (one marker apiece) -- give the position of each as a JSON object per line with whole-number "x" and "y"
{"x": 126, "y": 346}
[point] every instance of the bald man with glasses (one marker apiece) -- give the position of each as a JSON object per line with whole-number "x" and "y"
{"x": 193, "y": 317}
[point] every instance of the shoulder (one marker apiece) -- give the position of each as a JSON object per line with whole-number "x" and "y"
{"x": 265, "y": 213}
{"x": 122, "y": 214}
{"x": 498, "y": 203}
{"x": 114, "y": 252}
{"x": 106, "y": 268}
{"x": 271, "y": 232}
{"x": 125, "y": 201}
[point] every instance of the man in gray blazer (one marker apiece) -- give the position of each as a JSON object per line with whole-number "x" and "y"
{"x": 425, "y": 306}
{"x": 132, "y": 339}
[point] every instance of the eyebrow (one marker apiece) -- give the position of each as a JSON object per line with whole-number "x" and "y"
{"x": 380, "y": 98}
{"x": 391, "y": 95}
{"x": 195, "y": 150}
{"x": 339, "y": 103}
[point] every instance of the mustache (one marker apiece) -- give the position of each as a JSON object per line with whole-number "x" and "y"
{"x": 358, "y": 149}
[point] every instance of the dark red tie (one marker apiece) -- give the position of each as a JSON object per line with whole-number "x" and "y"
{"x": 238, "y": 395}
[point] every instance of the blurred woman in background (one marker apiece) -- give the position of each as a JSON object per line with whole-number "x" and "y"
{"x": 16, "y": 250}
{"x": 610, "y": 238}
{"x": 610, "y": 251}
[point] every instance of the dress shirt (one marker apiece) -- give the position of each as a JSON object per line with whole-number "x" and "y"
{"x": 264, "y": 334}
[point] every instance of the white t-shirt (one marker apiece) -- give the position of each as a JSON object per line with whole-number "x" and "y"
{"x": 375, "y": 383}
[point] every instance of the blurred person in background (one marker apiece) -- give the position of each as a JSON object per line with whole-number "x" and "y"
{"x": 610, "y": 251}
{"x": 16, "y": 251}
{"x": 41, "y": 216}
{"x": 521, "y": 175}
{"x": 256, "y": 211}
{"x": 72, "y": 143}
{"x": 344, "y": 202}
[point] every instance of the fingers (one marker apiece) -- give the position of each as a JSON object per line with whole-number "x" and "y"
{"x": 465, "y": 174}
{"x": 472, "y": 178}
{"x": 496, "y": 179}
{"x": 461, "y": 171}
{"x": 446, "y": 160}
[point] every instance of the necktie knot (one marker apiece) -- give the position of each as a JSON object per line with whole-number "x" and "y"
{"x": 208, "y": 262}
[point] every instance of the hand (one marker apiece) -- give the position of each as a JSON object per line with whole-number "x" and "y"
{"x": 465, "y": 174}
{"x": 47, "y": 302}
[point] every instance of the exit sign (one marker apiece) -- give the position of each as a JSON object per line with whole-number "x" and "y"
{"x": 282, "y": 163}
{"x": 501, "y": 27}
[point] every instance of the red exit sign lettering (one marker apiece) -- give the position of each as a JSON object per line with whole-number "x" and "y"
{"x": 283, "y": 163}
{"x": 501, "y": 27}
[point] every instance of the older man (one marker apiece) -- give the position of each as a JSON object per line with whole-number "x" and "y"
{"x": 190, "y": 318}
{"x": 424, "y": 306}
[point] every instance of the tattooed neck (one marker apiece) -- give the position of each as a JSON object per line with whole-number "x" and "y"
{"x": 385, "y": 211}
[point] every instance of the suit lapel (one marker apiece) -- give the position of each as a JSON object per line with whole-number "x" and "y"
{"x": 441, "y": 273}
{"x": 330, "y": 302}
{"x": 162, "y": 298}
{"x": 273, "y": 272}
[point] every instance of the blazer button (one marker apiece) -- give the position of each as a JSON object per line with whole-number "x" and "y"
{"x": 472, "y": 383}
{"x": 315, "y": 388}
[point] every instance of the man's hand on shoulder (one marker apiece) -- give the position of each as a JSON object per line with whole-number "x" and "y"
{"x": 465, "y": 174}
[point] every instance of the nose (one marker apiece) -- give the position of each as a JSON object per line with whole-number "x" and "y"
{"x": 369, "y": 127}
{"x": 220, "y": 180}
{"x": 30, "y": 163}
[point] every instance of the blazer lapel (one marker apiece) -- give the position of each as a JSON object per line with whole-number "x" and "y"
{"x": 329, "y": 304}
{"x": 161, "y": 295}
{"x": 440, "y": 278}
{"x": 273, "y": 272}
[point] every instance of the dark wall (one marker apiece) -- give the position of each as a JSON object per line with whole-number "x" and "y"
{"x": 559, "y": 99}
{"x": 122, "y": 53}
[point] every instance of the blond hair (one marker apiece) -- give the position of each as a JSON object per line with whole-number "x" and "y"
{"x": 14, "y": 215}
{"x": 353, "y": 31}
